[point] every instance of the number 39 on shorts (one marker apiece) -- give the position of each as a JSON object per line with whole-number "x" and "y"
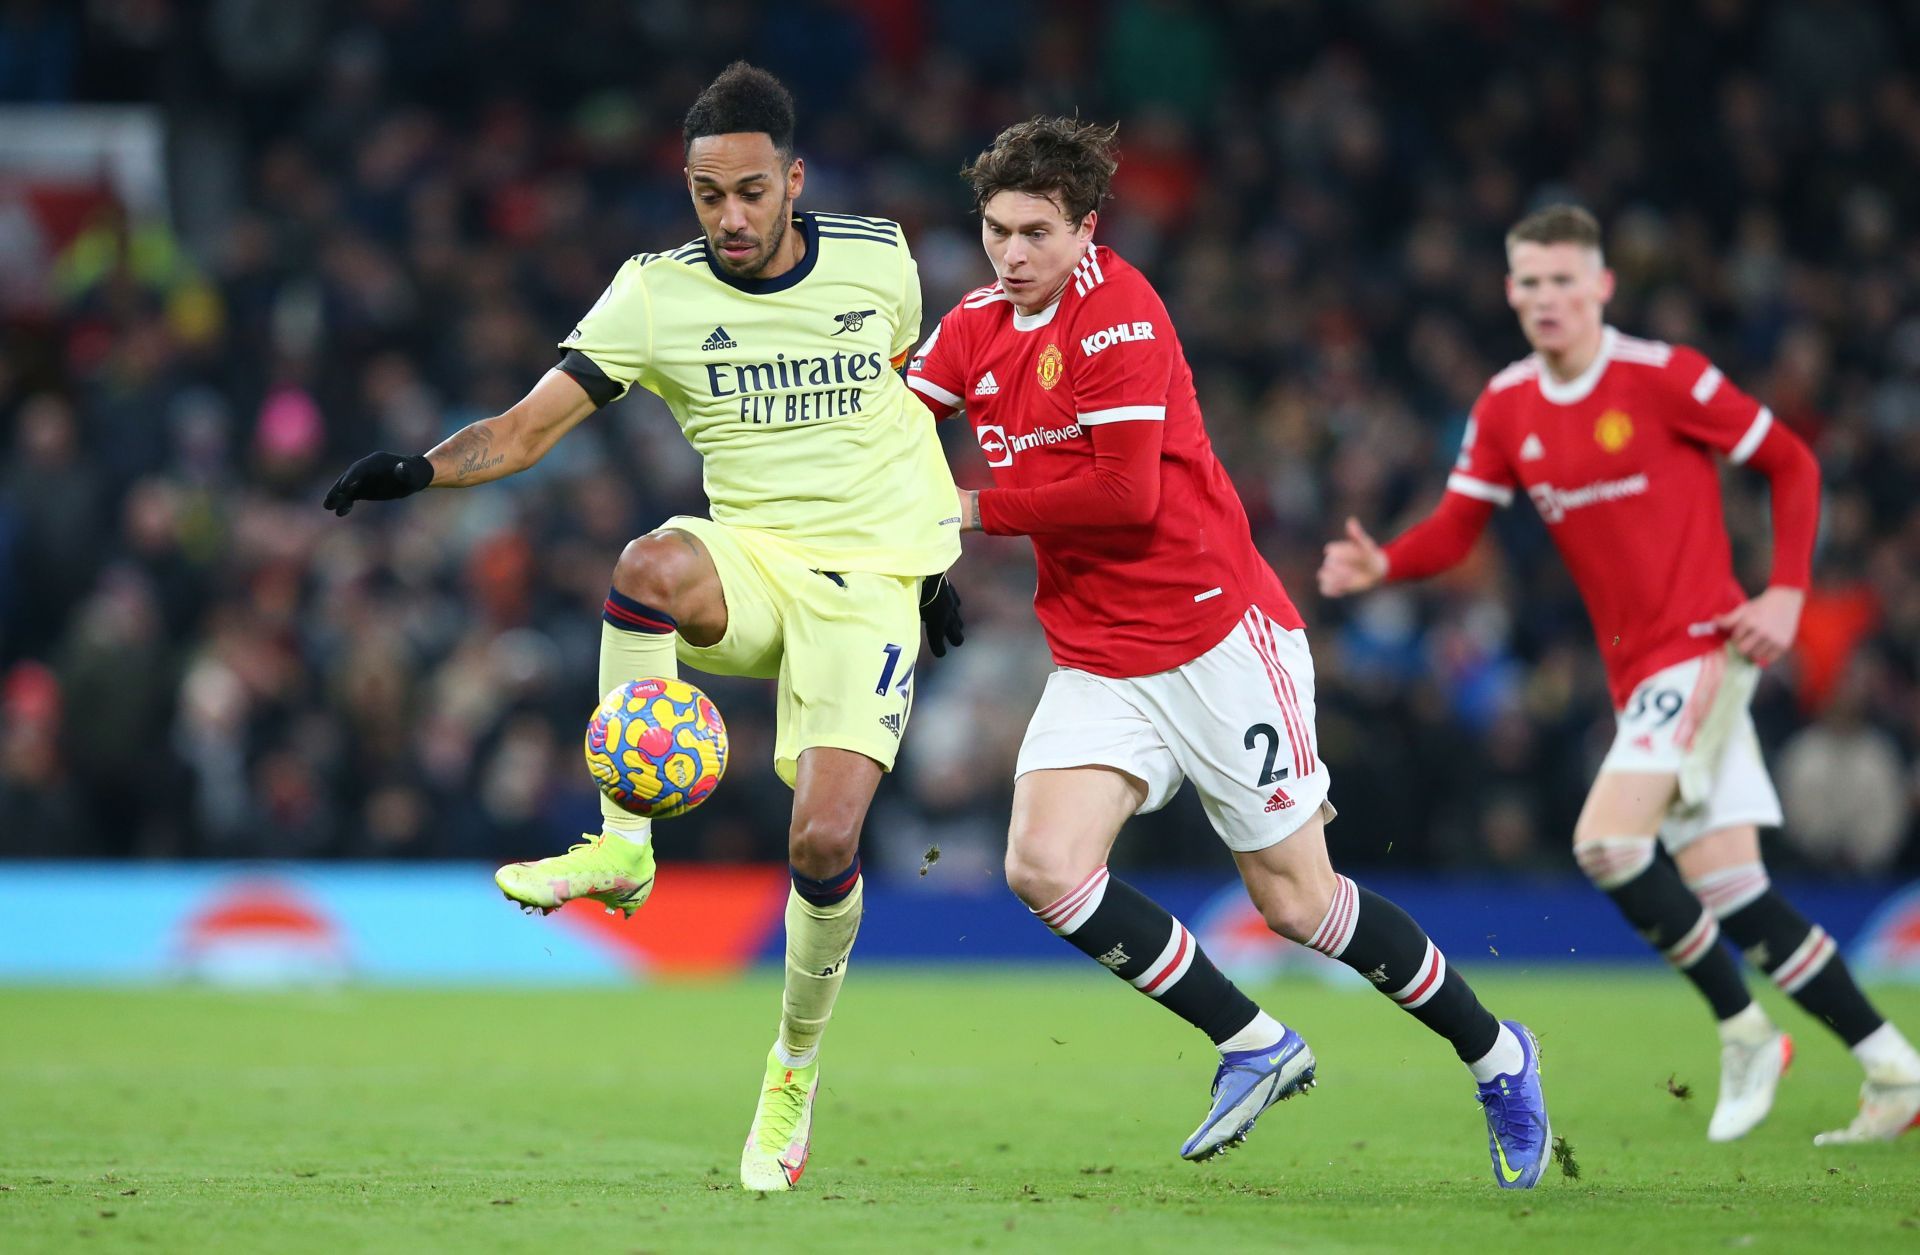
{"x": 1655, "y": 707}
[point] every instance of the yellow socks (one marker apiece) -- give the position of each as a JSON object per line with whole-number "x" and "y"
{"x": 635, "y": 640}
{"x": 819, "y": 939}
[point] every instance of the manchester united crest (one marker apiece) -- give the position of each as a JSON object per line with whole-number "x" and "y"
{"x": 1050, "y": 365}
{"x": 1613, "y": 430}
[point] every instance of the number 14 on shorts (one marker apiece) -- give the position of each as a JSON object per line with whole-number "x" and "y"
{"x": 904, "y": 685}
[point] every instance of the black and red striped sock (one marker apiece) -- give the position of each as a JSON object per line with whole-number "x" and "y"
{"x": 1797, "y": 955}
{"x": 1131, "y": 936}
{"x": 630, "y": 615}
{"x": 1644, "y": 883}
{"x": 1381, "y": 942}
{"x": 827, "y": 891}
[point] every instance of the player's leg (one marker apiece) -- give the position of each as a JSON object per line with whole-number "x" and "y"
{"x": 832, "y": 790}
{"x": 846, "y": 690}
{"x": 1724, "y": 869}
{"x": 1303, "y": 899}
{"x": 1241, "y": 720}
{"x": 1616, "y": 844}
{"x": 1667, "y": 750}
{"x": 664, "y": 583}
{"x": 831, "y": 794}
{"x": 1089, "y": 760}
{"x": 1064, "y": 824}
{"x": 1754, "y": 1053}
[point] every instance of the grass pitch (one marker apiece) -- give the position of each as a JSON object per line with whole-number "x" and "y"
{"x": 959, "y": 1110}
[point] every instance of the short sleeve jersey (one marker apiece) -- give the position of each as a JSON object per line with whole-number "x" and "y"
{"x": 788, "y": 389}
{"x": 1126, "y": 601}
{"x": 1620, "y": 465}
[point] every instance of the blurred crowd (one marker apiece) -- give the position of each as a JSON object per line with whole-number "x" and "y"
{"x": 385, "y": 213}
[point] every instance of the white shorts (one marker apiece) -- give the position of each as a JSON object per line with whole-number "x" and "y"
{"x": 1237, "y": 720}
{"x": 1691, "y": 721}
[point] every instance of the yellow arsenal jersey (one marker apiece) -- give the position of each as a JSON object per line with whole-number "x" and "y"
{"x": 788, "y": 388}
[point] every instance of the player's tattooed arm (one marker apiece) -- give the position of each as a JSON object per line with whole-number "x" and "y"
{"x": 496, "y": 447}
{"x": 467, "y": 457}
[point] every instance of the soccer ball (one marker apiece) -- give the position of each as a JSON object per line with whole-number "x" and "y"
{"x": 657, "y": 747}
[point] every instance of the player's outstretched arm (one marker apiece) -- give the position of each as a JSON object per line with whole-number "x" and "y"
{"x": 1429, "y": 547}
{"x": 487, "y": 450}
{"x": 508, "y": 443}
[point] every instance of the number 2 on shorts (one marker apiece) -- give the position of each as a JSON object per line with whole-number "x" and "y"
{"x": 1268, "y": 773}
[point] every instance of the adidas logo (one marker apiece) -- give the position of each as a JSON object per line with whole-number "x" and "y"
{"x": 1531, "y": 449}
{"x": 1279, "y": 801}
{"x": 718, "y": 340}
{"x": 891, "y": 723}
{"x": 987, "y": 385}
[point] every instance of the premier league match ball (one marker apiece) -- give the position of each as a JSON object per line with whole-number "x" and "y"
{"x": 657, "y": 747}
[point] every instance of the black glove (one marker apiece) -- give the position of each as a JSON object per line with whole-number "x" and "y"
{"x": 940, "y": 612}
{"x": 378, "y": 477}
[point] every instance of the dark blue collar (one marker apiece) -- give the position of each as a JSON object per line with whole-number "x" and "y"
{"x": 803, "y": 223}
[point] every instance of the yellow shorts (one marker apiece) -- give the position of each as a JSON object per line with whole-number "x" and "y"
{"x": 841, "y": 644}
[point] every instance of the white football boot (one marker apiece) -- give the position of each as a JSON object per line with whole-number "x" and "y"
{"x": 1886, "y": 1111}
{"x": 1749, "y": 1075}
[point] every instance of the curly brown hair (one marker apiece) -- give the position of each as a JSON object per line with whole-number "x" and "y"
{"x": 1063, "y": 159}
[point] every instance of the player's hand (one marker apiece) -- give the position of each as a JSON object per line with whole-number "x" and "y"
{"x": 1763, "y": 629}
{"x": 1352, "y": 565}
{"x": 378, "y": 477}
{"x": 940, "y": 612}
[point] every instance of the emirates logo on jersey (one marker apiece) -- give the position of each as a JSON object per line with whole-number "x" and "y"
{"x": 1050, "y": 366}
{"x": 1613, "y": 431}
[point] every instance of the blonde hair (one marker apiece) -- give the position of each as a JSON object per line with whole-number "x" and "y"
{"x": 1557, "y": 224}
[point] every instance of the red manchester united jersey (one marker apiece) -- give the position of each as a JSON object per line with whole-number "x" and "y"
{"x": 1117, "y": 601}
{"x": 1619, "y": 463}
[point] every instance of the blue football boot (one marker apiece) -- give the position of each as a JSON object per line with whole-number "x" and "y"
{"x": 1248, "y": 1082}
{"x": 1519, "y": 1136}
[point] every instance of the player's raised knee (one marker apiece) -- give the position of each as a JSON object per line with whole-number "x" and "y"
{"x": 656, "y": 569}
